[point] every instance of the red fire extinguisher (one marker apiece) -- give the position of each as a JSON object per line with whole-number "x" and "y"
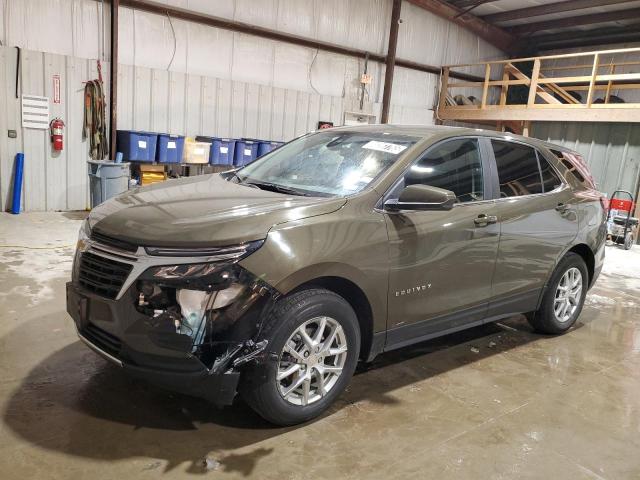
{"x": 57, "y": 133}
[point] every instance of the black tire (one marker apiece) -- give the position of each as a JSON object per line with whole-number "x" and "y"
{"x": 628, "y": 241}
{"x": 259, "y": 387}
{"x": 544, "y": 320}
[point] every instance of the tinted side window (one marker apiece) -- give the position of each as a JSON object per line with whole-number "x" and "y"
{"x": 455, "y": 165}
{"x": 518, "y": 171}
{"x": 550, "y": 179}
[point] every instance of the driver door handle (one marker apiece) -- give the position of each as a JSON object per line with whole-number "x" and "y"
{"x": 483, "y": 220}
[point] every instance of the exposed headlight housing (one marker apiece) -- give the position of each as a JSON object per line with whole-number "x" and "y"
{"x": 83, "y": 235}
{"x": 187, "y": 294}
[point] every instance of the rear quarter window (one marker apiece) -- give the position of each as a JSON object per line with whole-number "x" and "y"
{"x": 576, "y": 167}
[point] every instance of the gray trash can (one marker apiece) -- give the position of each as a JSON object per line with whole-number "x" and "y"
{"x": 107, "y": 179}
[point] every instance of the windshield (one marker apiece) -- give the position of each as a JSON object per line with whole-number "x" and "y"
{"x": 330, "y": 163}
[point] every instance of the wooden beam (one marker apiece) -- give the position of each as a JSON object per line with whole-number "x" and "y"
{"x": 391, "y": 60}
{"x": 444, "y": 88}
{"x": 113, "y": 80}
{"x": 538, "y": 10}
{"x": 485, "y": 87}
{"x": 533, "y": 87}
{"x": 492, "y": 34}
{"x": 532, "y": 28}
{"x": 548, "y": 113}
{"x": 592, "y": 82}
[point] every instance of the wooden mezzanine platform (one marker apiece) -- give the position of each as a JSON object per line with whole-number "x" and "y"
{"x": 546, "y": 88}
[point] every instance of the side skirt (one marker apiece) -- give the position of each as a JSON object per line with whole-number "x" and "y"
{"x": 439, "y": 326}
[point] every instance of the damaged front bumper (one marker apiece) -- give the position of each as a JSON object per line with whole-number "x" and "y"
{"x": 158, "y": 344}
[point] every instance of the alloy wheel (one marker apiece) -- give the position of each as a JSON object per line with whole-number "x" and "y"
{"x": 311, "y": 361}
{"x": 568, "y": 295}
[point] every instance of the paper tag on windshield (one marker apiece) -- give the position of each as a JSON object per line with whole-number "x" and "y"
{"x": 391, "y": 148}
{"x": 171, "y": 144}
{"x": 224, "y": 149}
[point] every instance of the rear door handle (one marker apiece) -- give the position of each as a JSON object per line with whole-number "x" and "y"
{"x": 483, "y": 220}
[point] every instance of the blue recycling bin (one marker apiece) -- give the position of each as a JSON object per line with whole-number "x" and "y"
{"x": 246, "y": 152}
{"x": 265, "y": 147}
{"x": 222, "y": 150}
{"x": 137, "y": 146}
{"x": 170, "y": 148}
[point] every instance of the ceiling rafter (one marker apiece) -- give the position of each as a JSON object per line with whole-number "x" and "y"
{"x": 532, "y": 28}
{"x": 495, "y": 35}
{"x": 559, "y": 7}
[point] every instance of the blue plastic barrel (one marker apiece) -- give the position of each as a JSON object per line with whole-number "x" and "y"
{"x": 246, "y": 152}
{"x": 170, "y": 148}
{"x": 137, "y": 146}
{"x": 17, "y": 183}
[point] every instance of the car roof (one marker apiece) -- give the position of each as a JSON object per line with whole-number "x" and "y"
{"x": 445, "y": 131}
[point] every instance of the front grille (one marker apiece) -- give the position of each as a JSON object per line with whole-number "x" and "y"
{"x": 101, "y": 275}
{"x": 103, "y": 340}
{"x": 113, "y": 242}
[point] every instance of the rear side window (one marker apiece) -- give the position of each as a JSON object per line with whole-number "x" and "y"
{"x": 550, "y": 179}
{"x": 518, "y": 171}
{"x": 576, "y": 165}
{"x": 454, "y": 165}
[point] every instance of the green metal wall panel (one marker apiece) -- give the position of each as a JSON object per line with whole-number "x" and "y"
{"x": 612, "y": 150}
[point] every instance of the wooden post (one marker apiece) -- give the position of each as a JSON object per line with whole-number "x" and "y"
{"x": 533, "y": 86}
{"x": 526, "y": 126}
{"x": 444, "y": 88}
{"x": 609, "y": 84}
{"x": 391, "y": 60}
{"x": 485, "y": 86}
{"x": 113, "y": 80}
{"x": 594, "y": 74}
{"x": 504, "y": 91}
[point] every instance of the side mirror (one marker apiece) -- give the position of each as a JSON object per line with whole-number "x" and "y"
{"x": 422, "y": 197}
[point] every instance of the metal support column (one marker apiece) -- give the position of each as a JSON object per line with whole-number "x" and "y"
{"x": 391, "y": 60}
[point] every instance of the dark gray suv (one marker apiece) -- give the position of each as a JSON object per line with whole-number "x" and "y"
{"x": 273, "y": 280}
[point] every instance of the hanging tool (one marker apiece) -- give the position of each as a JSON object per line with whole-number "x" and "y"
{"x": 94, "y": 126}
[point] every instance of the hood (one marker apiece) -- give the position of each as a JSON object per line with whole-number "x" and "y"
{"x": 201, "y": 211}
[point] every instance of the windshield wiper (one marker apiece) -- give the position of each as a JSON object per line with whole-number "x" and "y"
{"x": 274, "y": 187}
{"x": 231, "y": 174}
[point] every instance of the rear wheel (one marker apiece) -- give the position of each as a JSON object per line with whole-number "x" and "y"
{"x": 314, "y": 343}
{"x": 563, "y": 298}
{"x": 628, "y": 241}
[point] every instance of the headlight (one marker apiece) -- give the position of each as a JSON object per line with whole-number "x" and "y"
{"x": 235, "y": 252}
{"x": 81, "y": 246}
{"x": 83, "y": 235}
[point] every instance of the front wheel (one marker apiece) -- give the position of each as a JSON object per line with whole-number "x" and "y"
{"x": 314, "y": 343}
{"x": 563, "y": 298}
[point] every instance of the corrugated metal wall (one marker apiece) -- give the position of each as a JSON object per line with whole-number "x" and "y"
{"x": 612, "y": 150}
{"x": 52, "y": 180}
{"x": 174, "y": 102}
{"x": 185, "y": 78}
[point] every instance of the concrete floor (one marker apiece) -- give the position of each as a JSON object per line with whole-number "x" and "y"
{"x": 492, "y": 403}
